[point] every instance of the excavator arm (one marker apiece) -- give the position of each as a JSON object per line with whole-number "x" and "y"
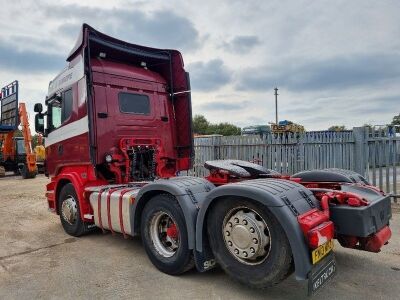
{"x": 31, "y": 168}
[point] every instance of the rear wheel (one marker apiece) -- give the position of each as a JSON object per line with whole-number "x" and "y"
{"x": 249, "y": 243}
{"x": 70, "y": 216}
{"x": 164, "y": 235}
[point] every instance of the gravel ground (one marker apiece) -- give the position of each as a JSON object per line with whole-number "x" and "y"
{"x": 38, "y": 260}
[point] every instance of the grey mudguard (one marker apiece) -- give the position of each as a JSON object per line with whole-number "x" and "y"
{"x": 285, "y": 199}
{"x": 190, "y": 193}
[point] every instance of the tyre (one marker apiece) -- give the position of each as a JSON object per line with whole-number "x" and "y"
{"x": 70, "y": 216}
{"x": 249, "y": 243}
{"x": 164, "y": 235}
{"x": 26, "y": 174}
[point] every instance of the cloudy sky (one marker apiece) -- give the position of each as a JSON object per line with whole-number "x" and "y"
{"x": 334, "y": 62}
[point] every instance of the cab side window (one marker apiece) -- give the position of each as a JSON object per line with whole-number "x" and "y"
{"x": 60, "y": 109}
{"x": 66, "y": 110}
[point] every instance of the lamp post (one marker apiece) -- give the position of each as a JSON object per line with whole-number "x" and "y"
{"x": 276, "y": 105}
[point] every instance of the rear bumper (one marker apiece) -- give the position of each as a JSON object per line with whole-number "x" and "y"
{"x": 361, "y": 221}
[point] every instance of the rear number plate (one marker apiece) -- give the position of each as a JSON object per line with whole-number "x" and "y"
{"x": 321, "y": 251}
{"x": 320, "y": 277}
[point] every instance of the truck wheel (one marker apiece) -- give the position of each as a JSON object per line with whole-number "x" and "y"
{"x": 164, "y": 235}
{"x": 70, "y": 216}
{"x": 249, "y": 243}
{"x": 26, "y": 174}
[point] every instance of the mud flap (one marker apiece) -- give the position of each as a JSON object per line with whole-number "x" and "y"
{"x": 204, "y": 260}
{"x": 321, "y": 274}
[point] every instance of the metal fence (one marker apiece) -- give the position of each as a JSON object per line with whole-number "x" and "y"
{"x": 382, "y": 160}
{"x": 374, "y": 154}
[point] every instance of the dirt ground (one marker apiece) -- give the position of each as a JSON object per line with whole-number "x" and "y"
{"x": 38, "y": 260}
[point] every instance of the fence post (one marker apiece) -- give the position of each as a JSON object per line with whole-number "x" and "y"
{"x": 216, "y": 142}
{"x": 360, "y": 147}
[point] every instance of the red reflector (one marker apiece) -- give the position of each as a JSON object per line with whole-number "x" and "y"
{"x": 320, "y": 234}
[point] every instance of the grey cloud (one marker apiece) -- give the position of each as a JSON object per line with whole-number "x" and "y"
{"x": 217, "y": 105}
{"x": 207, "y": 76}
{"x": 242, "y": 43}
{"x": 29, "y": 61}
{"x": 69, "y": 30}
{"x": 334, "y": 73}
{"x": 162, "y": 28}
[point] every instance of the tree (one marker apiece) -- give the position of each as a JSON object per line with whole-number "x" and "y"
{"x": 35, "y": 140}
{"x": 200, "y": 124}
{"x": 337, "y": 128}
{"x": 396, "y": 120}
{"x": 224, "y": 129}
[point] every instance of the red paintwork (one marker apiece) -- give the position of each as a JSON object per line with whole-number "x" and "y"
{"x": 337, "y": 197}
{"x": 167, "y": 128}
{"x": 172, "y": 231}
{"x": 375, "y": 242}
{"x": 372, "y": 243}
{"x": 81, "y": 176}
{"x": 76, "y": 149}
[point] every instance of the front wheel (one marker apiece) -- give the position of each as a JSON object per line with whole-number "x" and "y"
{"x": 26, "y": 174}
{"x": 249, "y": 243}
{"x": 164, "y": 235}
{"x": 70, "y": 216}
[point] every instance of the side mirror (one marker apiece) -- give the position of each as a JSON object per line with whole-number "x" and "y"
{"x": 39, "y": 122}
{"x": 38, "y": 108}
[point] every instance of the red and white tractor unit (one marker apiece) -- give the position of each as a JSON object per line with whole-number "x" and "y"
{"x": 118, "y": 131}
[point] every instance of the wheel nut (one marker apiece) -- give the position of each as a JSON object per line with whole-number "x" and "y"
{"x": 230, "y": 224}
{"x": 236, "y": 251}
{"x": 245, "y": 254}
{"x": 252, "y": 230}
{"x": 255, "y": 241}
{"x": 244, "y": 222}
{"x": 236, "y": 220}
{"x": 252, "y": 250}
{"x": 227, "y": 233}
{"x": 229, "y": 243}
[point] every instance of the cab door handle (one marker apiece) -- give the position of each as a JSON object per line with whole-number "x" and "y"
{"x": 60, "y": 149}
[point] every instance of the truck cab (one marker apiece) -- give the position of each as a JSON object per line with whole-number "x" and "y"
{"x": 120, "y": 108}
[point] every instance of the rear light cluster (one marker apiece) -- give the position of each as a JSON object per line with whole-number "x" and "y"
{"x": 316, "y": 227}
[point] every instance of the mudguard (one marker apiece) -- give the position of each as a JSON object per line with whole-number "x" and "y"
{"x": 285, "y": 199}
{"x": 331, "y": 175}
{"x": 190, "y": 193}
